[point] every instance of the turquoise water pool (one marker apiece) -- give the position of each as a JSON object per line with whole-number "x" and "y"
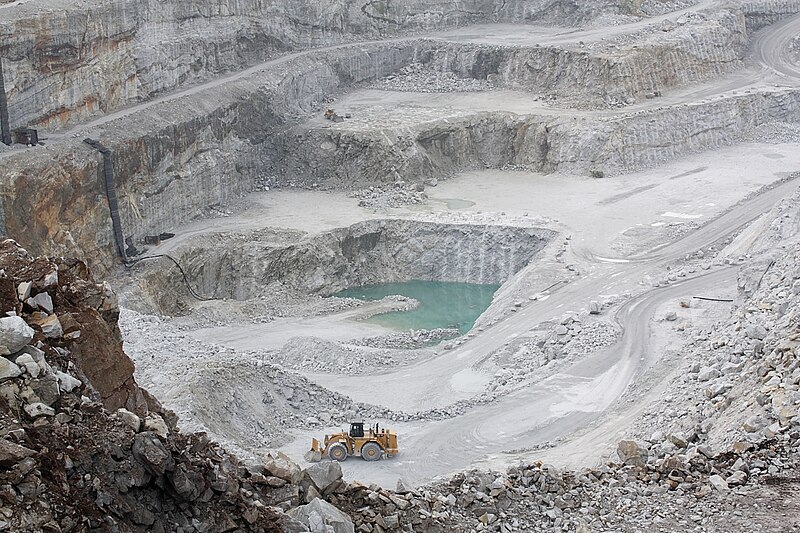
{"x": 443, "y": 304}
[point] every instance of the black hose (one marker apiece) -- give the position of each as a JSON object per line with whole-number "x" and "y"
{"x": 111, "y": 195}
{"x": 113, "y": 206}
{"x": 712, "y": 299}
{"x": 194, "y": 293}
{"x": 5, "y": 128}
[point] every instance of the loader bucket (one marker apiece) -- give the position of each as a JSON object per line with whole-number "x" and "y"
{"x": 314, "y": 455}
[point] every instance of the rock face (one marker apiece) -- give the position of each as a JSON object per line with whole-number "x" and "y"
{"x": 396, "y": 250}
{"x": 174, "y": 159}
{"x": 92, "y": 57}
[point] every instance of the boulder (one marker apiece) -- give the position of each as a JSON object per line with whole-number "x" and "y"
{"x": 24, "y": 290}
{"x": 8, "y": 370}
{"x": 718, "y": 484}
{"x": 129, "y": 419}
{"x": 51, "y": 327}
{"x": 66, "y": 382}
{"x": 15, "y": 334}
{"x": 149, "y": 451}
{"x": 283, "y": 467}
{"x": 319, "y": 514}
{"x": 42, "y": 301}
{"x": 632, "y": 453}
{"x": 754, "y": 423}
{"x": 11, "y": 454}
{"x": 323, "y": 475}
{"x": 313, "y": 456}
{"x": 155, "y": 423}
{"x": 737, "y": 478}
{"x": 46, "y": 388}
{"x": 25, "y": 360}
{"x": 708, "y": 373}
{"x": 35, "y": 410}
{"x": 757, "y": 332}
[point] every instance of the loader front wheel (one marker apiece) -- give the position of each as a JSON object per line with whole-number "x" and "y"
{"x": 337, "y": 452}
{"x": 371, "y": 451}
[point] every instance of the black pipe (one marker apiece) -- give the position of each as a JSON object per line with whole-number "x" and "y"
{"x": 5, "y": 129}
{"x": 111, "y": 195}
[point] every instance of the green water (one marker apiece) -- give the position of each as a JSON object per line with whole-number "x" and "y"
{"x": 443, "y": 304}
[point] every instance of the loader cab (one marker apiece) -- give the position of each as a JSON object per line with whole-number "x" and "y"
{"x": 357, "y": 430}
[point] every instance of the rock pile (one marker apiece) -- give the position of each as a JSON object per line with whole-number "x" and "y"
{"x": 82, "y": 447}
{"x": 417, "y": 77}
{"x": 398, "y": 194}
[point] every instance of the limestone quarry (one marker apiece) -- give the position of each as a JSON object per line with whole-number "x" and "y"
{"x": 554, "y": 245}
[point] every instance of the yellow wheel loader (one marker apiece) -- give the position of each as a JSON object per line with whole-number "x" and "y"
{"x": 371, "y": 444}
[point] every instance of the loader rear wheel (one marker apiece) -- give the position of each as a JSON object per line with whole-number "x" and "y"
{"x": 371, "y": 451}
{"x": 337, "y": 452}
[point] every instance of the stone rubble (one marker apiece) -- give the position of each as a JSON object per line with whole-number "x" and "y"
{"x": 417, "y": 77}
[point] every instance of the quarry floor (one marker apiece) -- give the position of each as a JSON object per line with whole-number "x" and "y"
{"x": 623, "y": 236}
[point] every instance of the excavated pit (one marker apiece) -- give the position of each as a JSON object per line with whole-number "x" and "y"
{"x": 243, "y": 266}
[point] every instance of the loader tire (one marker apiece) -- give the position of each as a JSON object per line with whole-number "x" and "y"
{"x": 338, "y": 452}
{"x": 371, "y": 451}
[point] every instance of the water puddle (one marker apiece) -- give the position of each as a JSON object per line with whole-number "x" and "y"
{"x": 443, "y": 304}
{"x": 454, "y": 204}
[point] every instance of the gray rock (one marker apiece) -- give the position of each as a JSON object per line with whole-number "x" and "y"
{"x": 717, "y": 483}
{"x": 14, "y": 334}
{"x": 11, "y": 454}
{"x": 149, "y": 451}
{"x": 42, "y": 301}
{"x": 708, "y": 373}
{"x": 51, "y": 327}
{"x": 8, "y": 370}
{"x": 323, "y": 475}
{"x": 737, "y": 478}
{"x": 46, "y": 388}
{"x": 66, "y": 382}
{"x": 129, "y": 419}
{"x": 402, "y": 487}
{"x": 632, "y": 453}
{"x": 313, "y": 456}
{"x": 283, "y": 467}
{"x": 25, "y": 360}
{"x": 715, "y": 390}
{"x": 594, "y": 308}
{"x": 678, "y": 440}
{"x": 189, "y": 484}
{"x": 24, "y": 290}
{"x": 155, "y": 423}
{"x": 757, "y": 332}
{"x": 754, "y": 423}
{"x": 318, "y": 514}
{"x": 37, "y": 409}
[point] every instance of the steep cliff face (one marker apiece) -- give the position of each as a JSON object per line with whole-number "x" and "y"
{"x": 376, "y": 251}
{"x": 703, "y": 45}
{"x": 414, "y": 144}
{"x": 173, "y": 159}
{"x": 86, "y": 58}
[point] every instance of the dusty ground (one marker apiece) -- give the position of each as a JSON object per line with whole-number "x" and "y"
{"x": 639, "y": 212}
